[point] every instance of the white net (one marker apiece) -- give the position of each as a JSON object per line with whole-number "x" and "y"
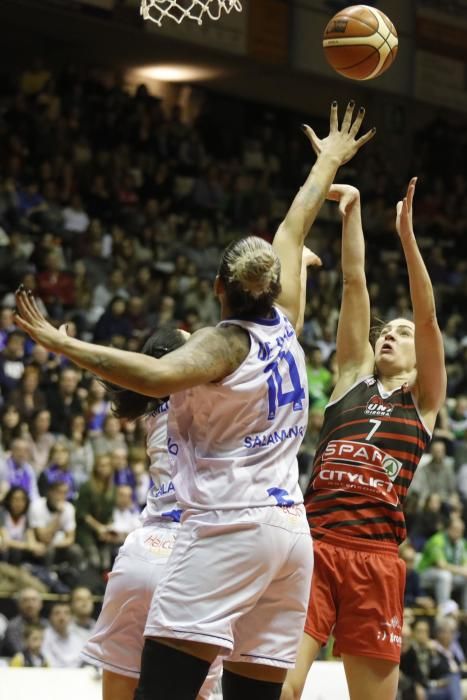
{"x": 178, "y": 10}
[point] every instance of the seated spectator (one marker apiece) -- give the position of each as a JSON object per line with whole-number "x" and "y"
{"x": 17, "y": 540}
{"x": 433, "y": 665}
{"x": 443, "y": 566}
{"x": 81, "y": 452}
{"x": 82, "y": 606}
{"x": 75, "y": 219}
{"x": 29, "y": 603}
{"x": 426, "y": 522}
{"x": 31, "y": 655}
{"x": 53, "y": 520}
{"x": 94, "y": 508}
{"x": 435, "y": 475}
{"x": 62, "y": 643}
{"x": 414, "y": 595}
{"x": 12, "y": 363}
{"x": 40, "y": 440}
{"x": 125, "y": 516}
{"x": 54, "y": 286}
{"x": 11, "y": 427}
{"x": 28, "y": 398}
{"x": 58, "y": 470}
{"x": 113, "y": 322}
{"x": 445, "y": 644}
{"x": 411, "y": 679}
{"x": 123, "y": 475}
{"x": 15, "y": 470}
{"x": 63, "y": 401}
{"x": 97, "y": 407}
{"x": 111, "y": 437}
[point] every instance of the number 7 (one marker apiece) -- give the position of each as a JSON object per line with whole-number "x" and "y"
{"x": 375, "y": 427}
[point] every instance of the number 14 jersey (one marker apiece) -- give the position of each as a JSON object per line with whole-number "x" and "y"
{"x": 370, "y": 445}
{"x": 233, "y": 444}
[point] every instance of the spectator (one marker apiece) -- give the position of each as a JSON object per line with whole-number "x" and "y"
{"x": 125, "y": 516}
{"x": 436, "y": 475}
{"x": 97, "y": 407}
{"x": 81, "y": 452}
{"x": 29, "y": 604}
{"x": 75, "y": 218}
{"x": 58, "y": 470}
{"x": 40, "y": 440}
{"x": 53, "y": 520}
{"x": 445, "y": 638}
{"x": 94, "y": 507}
{"x": 428, "y": 521}
{"x": 414, "y": 595}
{"x": 63, "y": 401}
{"x": 31, "y": 656}
{"x": 17, "y": 540}
{"x": 111, "y": 438}
{"x": 11, "y": 427}
{"x": 433, "y": 666}
{"x": 113, "y": 322}
{"x": 142, "y": 480}
{"x": 62, "y": 643}
{"x": 28, "y": 398}
{"x": 411, "y": 679}
{"x": 55, "y": 287}
{"x": 82, "y": 607}
{"x": 12, "y": 363}
{"x": 16, "y": 470}
{"x": 443, "y": 566}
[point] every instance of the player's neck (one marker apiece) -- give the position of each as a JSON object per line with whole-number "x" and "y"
{"x": 394, "y": 381}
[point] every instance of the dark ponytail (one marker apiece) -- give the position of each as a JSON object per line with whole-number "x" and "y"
{"x": 131, "y": 405}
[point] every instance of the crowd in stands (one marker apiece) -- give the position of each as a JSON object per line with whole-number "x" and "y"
{"x": 113, "y": 210}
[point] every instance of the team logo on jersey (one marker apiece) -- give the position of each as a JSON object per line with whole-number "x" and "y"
{"x": 376, "y": 406}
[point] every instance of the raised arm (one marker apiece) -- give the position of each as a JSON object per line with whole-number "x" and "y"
{"x": 355, "y": 357}
{"x": 337, "y": 148}
{"x": 209, "y": 355}
{"x": 309, "y": 259}
{"x": 430, "y": 386}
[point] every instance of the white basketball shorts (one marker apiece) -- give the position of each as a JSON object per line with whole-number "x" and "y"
{"x": 240, "y": 580}
{"x": 117, "y": 641}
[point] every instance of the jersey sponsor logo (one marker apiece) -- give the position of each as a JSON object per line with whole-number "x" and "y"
{"x": 376, "y": 406}
{"x": 252, "y": 441}
{"x": 362, "y": 453}
{"x": 392, "y": 633}
{"x": 357, "y": 467}
{"x": 160, "y": 546}
{"x": 282, "y": 496}
{"x": 164, "y": 489}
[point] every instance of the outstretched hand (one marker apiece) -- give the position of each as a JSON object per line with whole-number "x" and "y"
{"x": 341, "y": 143}
{"x": 30, "y": 319}
{"x": 346, "y": 195}
{"x": 404, "y": 211}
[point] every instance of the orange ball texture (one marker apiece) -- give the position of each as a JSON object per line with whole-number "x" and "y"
{"x": 360, "y": 42}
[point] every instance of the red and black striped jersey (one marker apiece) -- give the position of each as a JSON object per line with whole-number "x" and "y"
{"x": 370, "y": 445}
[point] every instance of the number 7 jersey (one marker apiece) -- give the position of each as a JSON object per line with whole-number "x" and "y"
{"x": 233, "y": 444}
{"x": 370, "y": 445}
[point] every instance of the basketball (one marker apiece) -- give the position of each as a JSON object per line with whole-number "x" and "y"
{"x": 360, "y": 42}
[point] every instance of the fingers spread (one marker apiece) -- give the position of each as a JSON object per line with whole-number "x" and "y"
{"x": 355, "y": 128}
{"x": 312, "y": 138}
{"x": 366, "y": 137}
{"x": 347, "y": 121}
{"x": 333, "y": 122}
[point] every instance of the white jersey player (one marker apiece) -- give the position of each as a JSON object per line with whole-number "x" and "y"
{"x": 117, "y": 641}
{"x": 237, "y": 580}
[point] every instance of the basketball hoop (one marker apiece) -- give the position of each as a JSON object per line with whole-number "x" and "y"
{"x": 196, "y": 10}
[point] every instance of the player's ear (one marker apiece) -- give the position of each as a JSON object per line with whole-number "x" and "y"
{"x": 218, "y": 286}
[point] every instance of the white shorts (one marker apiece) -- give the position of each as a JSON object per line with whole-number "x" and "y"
{"x": 117, "y": 641}
{"x": 240, "y": 580}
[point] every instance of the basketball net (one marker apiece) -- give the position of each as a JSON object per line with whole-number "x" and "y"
{"x": 178, "y": 10}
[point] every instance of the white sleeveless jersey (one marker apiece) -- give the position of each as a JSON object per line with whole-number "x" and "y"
{"x": 234, "y": 443}
{"x": 161, "y": 501}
